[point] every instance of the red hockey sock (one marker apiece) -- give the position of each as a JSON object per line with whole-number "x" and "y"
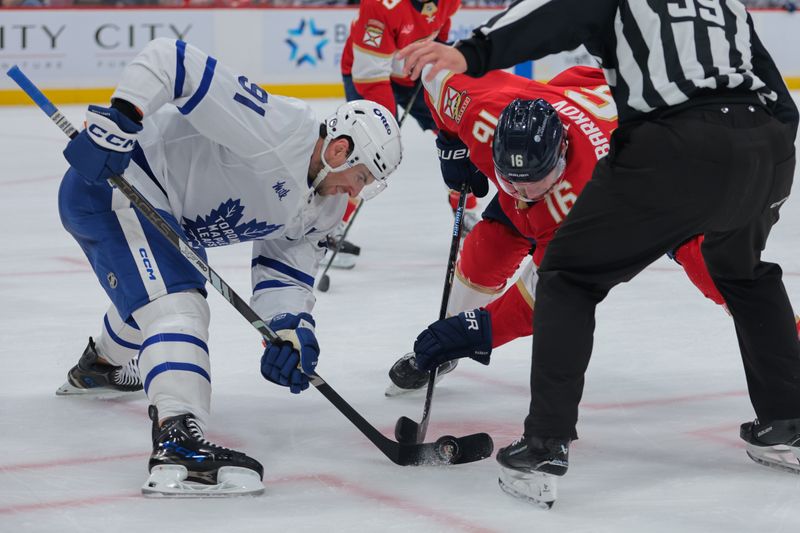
{"x": 471, "y": 203}
{"x": 350, "y": 209}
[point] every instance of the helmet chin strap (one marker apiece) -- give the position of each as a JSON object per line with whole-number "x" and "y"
{"x": 326, "y": 168}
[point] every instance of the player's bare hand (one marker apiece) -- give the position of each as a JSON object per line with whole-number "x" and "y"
{"x": 439, "y": 56}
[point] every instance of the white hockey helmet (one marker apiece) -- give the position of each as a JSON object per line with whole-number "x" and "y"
{"x": 376, "y": 142}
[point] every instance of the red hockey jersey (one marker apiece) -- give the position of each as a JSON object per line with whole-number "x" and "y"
{"x": 383, "y": 27}
{"x": 469, "y": 108}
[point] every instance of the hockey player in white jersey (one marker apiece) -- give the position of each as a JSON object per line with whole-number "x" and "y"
{"x": 224, "y": 162}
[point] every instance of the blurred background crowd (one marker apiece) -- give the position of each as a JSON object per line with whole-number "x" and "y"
{"x": 789, "y": 5}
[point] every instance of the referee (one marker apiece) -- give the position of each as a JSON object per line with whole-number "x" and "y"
{"x": 705, "y": 144}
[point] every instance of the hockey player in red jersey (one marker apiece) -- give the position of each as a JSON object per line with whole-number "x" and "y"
{"x": 381, "y": 28}
{"x": 520, "y": 219}
{"x": 370, "y": 71}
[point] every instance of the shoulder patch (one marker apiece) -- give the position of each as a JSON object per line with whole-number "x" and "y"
{"x": 455, "y": 103}
{"x": 373, "y": 33}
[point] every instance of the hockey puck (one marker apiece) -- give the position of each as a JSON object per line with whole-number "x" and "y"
{"x": 324, "y": 283}
{"x": 447, "y": 449}
{"x": 405, "y": 430}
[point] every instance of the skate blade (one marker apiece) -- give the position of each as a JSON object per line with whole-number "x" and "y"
{"x": 393, "y": 390}
{"x": 170, "y": 481}
{"x": 67, "y": 389}
{"x": 537, "y": 488}
{"x": 779, "y": 457}
{"x": 341, "y": 261}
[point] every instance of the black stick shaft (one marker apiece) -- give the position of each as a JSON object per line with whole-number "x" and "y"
{"x": 340, "y": 242}
{"x": 448, "y": 285}
{"x": 410, "y": 104}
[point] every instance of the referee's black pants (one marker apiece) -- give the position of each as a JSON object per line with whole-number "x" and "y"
{"x": 718, "y": 169}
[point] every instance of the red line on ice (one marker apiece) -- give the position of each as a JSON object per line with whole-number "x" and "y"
{"x": 80, "y": 261}
{"x": 77, "y": 502}
{"x": 720, "y": 435}
{"x": 48, "y": 273}
{"x": 449, "y": 520}
{"x": 663, "y": 401}
{"x": 75, "y": 461}
{"x": 600, "y": 406}
{"x": 24, "y": 181}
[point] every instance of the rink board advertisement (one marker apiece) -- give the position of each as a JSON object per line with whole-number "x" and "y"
{"x": 78, "y": 55}
{"x": 89, "y": 48}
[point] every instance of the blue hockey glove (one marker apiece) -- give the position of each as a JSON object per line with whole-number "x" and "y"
{"x": 457, "y": 168}
{"x": 468, "y": 334}
{"x": 291, "y": 361}
{"x": 104, "y": 147}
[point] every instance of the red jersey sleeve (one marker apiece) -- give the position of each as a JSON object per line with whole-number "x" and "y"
{"x": 579, "y": 76}
{"x": 373, "y": 49}
{"x": 690, "y": 257}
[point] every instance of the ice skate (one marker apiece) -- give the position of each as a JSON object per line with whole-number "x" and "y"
{"x": 93, "y": 378}
{"x": 346, "y": 257}
{"x": 775, "y": 444}
{"x": 184, "y": 464}
{"x": 529, "y": 468}
{"x": 406, "y": 377}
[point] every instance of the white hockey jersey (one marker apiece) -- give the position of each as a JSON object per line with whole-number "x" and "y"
{"x": 230, "y": 162}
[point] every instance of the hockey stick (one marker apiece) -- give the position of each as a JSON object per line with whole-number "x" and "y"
{"x": 446, "y": 450}
{"x": 325, "y": 280}
{"x": 410, "y": 104}
{"x": 407, "y": 430}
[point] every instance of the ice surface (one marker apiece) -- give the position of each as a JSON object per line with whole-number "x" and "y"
{"x": 665, "y": 393}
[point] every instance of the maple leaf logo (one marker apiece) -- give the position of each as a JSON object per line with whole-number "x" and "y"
{"x": 221, "y": 227}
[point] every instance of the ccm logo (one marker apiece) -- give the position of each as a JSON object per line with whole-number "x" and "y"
{"x": 472, "y": 321}
{"x": 110, "y": 138}
{"x": 151, "y": 272}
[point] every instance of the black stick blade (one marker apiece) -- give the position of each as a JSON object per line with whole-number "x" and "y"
{"x": 446, "y": 451}
{"x": 405, "y": 430}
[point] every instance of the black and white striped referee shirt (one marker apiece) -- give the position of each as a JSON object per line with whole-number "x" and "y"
{"x": 655, "y": 53}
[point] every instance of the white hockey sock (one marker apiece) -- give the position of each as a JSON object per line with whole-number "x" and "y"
{"x": 119, "y": 342}
{"x": 465, "y": 295}
{"x": 174, "y": 362}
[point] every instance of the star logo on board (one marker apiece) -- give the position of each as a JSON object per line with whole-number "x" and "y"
{"x": 306, "y": 43}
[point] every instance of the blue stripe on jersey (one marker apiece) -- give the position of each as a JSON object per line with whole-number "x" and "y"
{"x": 174, "y": 337}
{"x": 180, "y": 69}
{"x": 271, "y": 284}
{"x": 119, "y": 340}
{"x": 171, "y": 365}
{"x": 138, "y": 157}
{"x": 283, "y": 268}
{"x": 201, "y": 91}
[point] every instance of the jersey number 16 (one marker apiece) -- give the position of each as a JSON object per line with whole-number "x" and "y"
{"x": 256, "y": 92}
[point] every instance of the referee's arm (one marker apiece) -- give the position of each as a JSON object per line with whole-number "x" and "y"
{"x": 530, "y": 29}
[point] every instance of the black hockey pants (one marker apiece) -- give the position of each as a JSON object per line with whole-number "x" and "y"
{"x": 718, "y": 169}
